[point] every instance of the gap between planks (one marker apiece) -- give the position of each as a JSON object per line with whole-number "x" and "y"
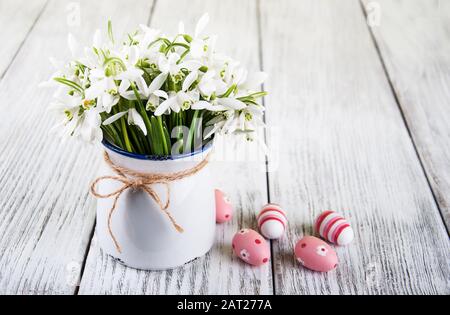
{"x": 261, "y": 66}
{"x": 402, "y": 114}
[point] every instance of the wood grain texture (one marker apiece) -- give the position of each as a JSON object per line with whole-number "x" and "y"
{"x": 17, "y": 18}
{"x": 341, "y": 140}
{"x": 219, "y": 272}
{"x": 344, "y": 146}
{"x": 46, "y": 213}
{"x": 413, "y": 38}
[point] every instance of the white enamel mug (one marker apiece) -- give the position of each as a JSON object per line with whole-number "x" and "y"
{"x": 147, "y": 238}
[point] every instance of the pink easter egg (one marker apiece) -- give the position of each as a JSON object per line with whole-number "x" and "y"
{"x": 224, "y": 209}
{"x": 251, "y": 247}
{"x": 334, "y": 228}
{"x": 315, "y": 254}
{"x": 272, "y": 221}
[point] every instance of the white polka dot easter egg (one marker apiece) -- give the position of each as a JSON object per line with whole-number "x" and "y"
{"x": 251, "y": 247}
{"x": 334, "y": 228}
{"x": 224, "y": 208}
{"x": 315, "y": 254}
{"x": 272, "y": 221}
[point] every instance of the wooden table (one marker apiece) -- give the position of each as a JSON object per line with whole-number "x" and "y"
{"x": 358, "y": 111}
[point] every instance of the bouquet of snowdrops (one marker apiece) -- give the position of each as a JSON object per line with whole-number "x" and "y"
{"x": 155, "y": 94}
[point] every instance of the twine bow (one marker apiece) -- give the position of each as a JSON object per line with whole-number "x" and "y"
{"x": 141, "y": 181}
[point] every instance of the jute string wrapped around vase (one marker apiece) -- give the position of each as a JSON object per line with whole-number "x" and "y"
{"x": 143, "y": 181}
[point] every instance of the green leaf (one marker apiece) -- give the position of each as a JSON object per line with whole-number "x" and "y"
{"x": 229, "y": 91}
{"x": 162, "y": 136}
{"x": 167, "y": 140}
{"x": 136, "y": 139}
{"x": 192, "y": 132}
{"x": 125, "y": 135}
{"x": 69, "y": 83}
{"x": 251, "y": 97}
{"x": 258, "y": 94}
{"x": 156, "y": 139}
{"x": 110, "y": 32}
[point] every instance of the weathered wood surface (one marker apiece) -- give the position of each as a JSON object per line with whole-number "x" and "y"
{"x": 344, "y": 146}
{"x": 218, "y": 272}
{"x": 17, "y": 18}
{"x": 413, "y": 38}
{"x": 46, "y": 214}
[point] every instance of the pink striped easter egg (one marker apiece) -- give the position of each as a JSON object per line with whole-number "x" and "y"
{"x": 272, "y": 221}
{"x": 334, "y": 228}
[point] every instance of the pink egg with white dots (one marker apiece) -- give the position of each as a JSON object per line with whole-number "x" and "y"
{"x": 315, "y": 254}
{"x": 272, "y": 221}
{"x": 224, "y": 208}
{"x": 334, "y": 228}
{"x": 251, "y": 247}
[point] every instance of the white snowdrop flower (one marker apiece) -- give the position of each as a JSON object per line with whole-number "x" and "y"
{"x": 134, "y": 118}
{"x": 168, "y": 64}
{"x": 210, "y": 84}
{"x": 220, "y": 104}
{"x": 155, "y": 99}
{"x": 89, "y": 126}
{"x": 197, "y": 43}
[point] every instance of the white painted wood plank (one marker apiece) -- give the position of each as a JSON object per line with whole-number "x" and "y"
{"x": 219, "y": 272}
{"x": 17, "y": 17}
{"x": 344, "y": 146}
{"x": 46, "y": 213}
{"x": 413, "y": 37}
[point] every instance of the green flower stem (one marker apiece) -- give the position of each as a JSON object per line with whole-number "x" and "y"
{"x": 192, "y": 129}
{"x": 183, "y": 55}
{"x": 116, "y": 135}
{"x": 111, "y": 132}
{"x": 155, "y": 138}
{"x": 172, "y": 45}
{"x": 125, "y": 135}
{"x": 110, "y": 137}
{"x": 158, "y": 40}
{"x": 167, "y": 139}
{"x": 144, "y": 141}
{"x": 123, "y": 126}
{"x": 163, "y": 136}
{"x": 115, "y": 128}
{"x": 135, "y": 138}
{"x": 143, "y": 113}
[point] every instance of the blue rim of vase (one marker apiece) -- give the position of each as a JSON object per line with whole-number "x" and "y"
{"x": 150, "y": 157}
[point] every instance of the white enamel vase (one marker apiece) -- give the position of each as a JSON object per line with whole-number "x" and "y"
{"x": 147, "y": 238}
